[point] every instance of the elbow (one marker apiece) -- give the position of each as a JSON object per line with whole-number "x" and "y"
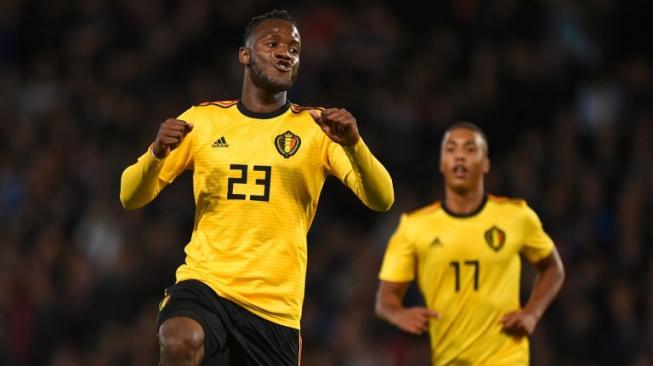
{"x": 385, "y": 206}
{"x": 561, "y": 273}
{"x": 378, "y": 309}
{"x": 385, "y": 202}
{"x": 128, "y": 202}
{"x": 383, "y": 198}
{"x": 559, "y": 267}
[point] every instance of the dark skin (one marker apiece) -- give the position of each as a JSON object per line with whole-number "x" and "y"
{"x": 463, "y": 164}
{"x": 271, "y": 61}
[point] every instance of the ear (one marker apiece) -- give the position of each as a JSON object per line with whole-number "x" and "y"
{"x": 486, "y": 165}
{"x": 441, "y": 165}
{"x": 244, "y": 55}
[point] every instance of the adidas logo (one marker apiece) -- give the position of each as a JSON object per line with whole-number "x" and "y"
{"x": 221, "y": 142}
{"x": 436, "y": 242}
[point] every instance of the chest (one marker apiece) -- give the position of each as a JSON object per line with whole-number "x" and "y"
{"x": 492, "y": 238}
{"x": 278, "y": 145}
{"x": 268, "y": 161}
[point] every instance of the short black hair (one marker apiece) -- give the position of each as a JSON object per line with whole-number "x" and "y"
{"x": 274, "y": 14}
{"x": 472, "y": 127}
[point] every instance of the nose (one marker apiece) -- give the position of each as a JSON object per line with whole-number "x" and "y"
{"x": 283, "y": 53}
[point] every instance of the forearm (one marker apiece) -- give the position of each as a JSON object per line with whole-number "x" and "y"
{"x": 387, "y": 306}
{"x": 546, "y": 287}
{"x": 140, "y": 182}
{"x": 369, "y": 180}
{"x": 389, "y": 299}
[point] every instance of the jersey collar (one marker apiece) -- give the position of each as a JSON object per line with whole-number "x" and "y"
{"x": 266, "y": 115}
{"x": 473, "y": 213}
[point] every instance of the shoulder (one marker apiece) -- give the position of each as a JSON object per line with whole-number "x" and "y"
{"x": 207, "y": 111}
{"x": 209, "y": 108}
{"x": 299, "y": 109}
{"x": 219, "y": 103}
{"x": 301, "y": 119}
{"x": 424, "y": 211}
{"x": 514, "y": 206}
{"x": 506, "y": 203}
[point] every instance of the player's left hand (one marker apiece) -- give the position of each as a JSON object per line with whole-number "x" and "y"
{"x": 338, "y": 124}
{"x": 519, "y": 323}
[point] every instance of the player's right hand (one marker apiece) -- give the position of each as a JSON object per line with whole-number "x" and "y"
{"x": 171, "y": 134}
{"x": 414, "y": 320}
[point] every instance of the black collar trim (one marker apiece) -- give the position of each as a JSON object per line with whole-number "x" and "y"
{"x": 473, "y": 213}
{"x": 265, "y": 115}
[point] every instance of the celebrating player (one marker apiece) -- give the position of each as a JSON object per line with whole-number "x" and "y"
{"x": 258, "y": 164}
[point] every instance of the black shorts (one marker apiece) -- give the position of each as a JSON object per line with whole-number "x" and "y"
{"x": 230, "y": 331}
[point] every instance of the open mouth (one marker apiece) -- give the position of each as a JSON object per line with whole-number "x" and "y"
{"x": 283, "y": 66}
{"x": 459, "y": 171}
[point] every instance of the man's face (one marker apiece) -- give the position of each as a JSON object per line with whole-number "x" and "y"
{"x": 463, "y": 160}
{"x": 272, "y": 55}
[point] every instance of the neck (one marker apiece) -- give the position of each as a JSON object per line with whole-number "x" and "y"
{"x": 258, "y": 100}
{"x": 464, "y": 203}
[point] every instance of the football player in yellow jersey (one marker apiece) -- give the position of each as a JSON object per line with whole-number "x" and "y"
{"x": 258, "y": 164}
{"x": 465, "y": 255}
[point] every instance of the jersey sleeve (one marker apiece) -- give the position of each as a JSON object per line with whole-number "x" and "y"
{"x": 142, "y": 181}
{"x": 359, "y": 170}
{"x": 537, "y": 243}
{"x": 399, "y": 261}
{"x": 181, "y": 158}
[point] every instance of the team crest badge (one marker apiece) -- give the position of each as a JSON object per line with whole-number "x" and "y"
{"x": 495, "y": 238}
{"x": 287, "y": 144}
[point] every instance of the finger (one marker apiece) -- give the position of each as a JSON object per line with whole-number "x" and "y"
{"x": 329, "y": 111}
{"x": 428, "y": 313}
{"x": 510, "y": 322}
{"x": 317, "y": 115}
{"x": 507, "y": 316}
{"x": 510, "y": 326}
{"x": 172, "y": 134}
{"x": 417, "y": 329}
{"x": 515, "y": 332}
{"x": 424, "y": 326}
{"x": 413, "y": 331}
{"x": 170, "y": 128}
{"x": 169, "y": 139}
{"x": 340, "y": 115}
{"x": 179, "y": 123}
{"x": 406, "y": 327}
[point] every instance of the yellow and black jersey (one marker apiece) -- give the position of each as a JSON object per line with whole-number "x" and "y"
{"x": 257, "y": 179}
{"x": 468, "y": 269}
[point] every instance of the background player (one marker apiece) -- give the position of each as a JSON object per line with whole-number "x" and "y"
{"x": 466, "y": 253}
{"x": 258, "y": 164}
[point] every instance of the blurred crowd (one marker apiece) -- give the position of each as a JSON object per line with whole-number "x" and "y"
{"x": 562, "y": 89}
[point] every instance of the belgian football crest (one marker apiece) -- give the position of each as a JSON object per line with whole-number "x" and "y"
{"x": 287, "y": 144}
{"x": 495, "y": 238}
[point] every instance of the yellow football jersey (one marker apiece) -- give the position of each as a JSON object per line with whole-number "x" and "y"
{"x": 257, "y": 180}
{"x": 468, "y": 269}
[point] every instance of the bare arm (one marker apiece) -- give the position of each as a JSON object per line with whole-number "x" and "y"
{"x": 547, "y": 284}
{"x": 389, "y": 307}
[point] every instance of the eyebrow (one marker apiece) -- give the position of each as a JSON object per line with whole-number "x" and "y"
{"x": 466, "y": 142}
{"x": 294, "y": 40}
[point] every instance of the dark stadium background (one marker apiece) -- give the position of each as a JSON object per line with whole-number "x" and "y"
{"x": 563, "y": 90}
